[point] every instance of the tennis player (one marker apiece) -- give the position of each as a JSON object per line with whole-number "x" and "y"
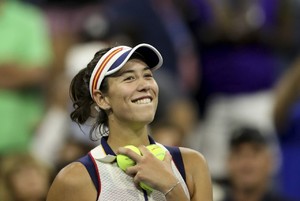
{"x": 118, "y": 90}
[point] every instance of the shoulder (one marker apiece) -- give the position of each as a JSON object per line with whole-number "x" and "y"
{"x": 191, "y": 157}
{"x": 72, "y": 173}
{"x": 72, "y": 183}
{"x": 197, "y": 174}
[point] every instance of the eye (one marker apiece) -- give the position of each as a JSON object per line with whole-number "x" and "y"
{"x": 128, "y": 78}
{"x": 148, "y": 74}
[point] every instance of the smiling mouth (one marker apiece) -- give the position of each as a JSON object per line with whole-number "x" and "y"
{"x": 143, "y": 101}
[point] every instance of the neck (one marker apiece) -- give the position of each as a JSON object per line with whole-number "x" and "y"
{"x": 120, "y": 136}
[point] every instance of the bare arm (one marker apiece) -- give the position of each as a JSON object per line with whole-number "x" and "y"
{"x": 197, "y": 175}
{"x": 73, "y": 183}
{"x": 13, "y": 76}
{"x": 287, "y": 92}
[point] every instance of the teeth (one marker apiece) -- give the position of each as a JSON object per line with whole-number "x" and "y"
{"x": 143, "y": 101}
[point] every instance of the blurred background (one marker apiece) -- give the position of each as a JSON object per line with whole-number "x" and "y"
{"x": 228, "y": 65}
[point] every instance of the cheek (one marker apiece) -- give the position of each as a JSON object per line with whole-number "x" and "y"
{"x": 118, "y": 94}
{"x": 155, "y": 87}
{"x": 264, "y": 165}
{"x": 233, "y": 167}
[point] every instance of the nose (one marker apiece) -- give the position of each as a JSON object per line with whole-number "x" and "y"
{"x": 144, "y": 85}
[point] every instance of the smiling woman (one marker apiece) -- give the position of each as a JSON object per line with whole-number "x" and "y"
{"x": 134, "y": 92}
{"x": 118, "y": 90}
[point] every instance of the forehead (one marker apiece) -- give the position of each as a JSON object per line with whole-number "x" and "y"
{"x": 248, "y": 146}
{"x": 132, "y": 66}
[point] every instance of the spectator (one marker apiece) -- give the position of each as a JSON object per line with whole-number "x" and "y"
{"x": 25, "y": 54}
{"x": 250, "y": 165}
{"x": 23, "y": 178}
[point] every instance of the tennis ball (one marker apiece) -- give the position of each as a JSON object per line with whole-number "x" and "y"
{"x": 146, "y": 187}
{"x": 124, "y": 161}
{"x": 159, "y": 153}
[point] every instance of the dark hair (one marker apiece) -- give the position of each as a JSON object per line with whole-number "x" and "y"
{"x": 247, "y": 135}
{"x": 83, "y": 103}
{"x": 81, "y": 98}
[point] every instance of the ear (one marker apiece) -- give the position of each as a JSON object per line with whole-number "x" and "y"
{"x": 101, "y": 100}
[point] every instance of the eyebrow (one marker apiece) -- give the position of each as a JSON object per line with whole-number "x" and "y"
{"x": 120, "y": 73}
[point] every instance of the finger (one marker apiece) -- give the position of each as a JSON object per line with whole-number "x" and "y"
{"x": 144, "y": 150}
{"x": 130, "y": 153}
{"x": 137, "y": 180}
{"x": 131, "y": 171}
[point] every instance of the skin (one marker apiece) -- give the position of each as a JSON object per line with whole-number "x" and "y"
{"x": 29, "y": 184}
{"x": 128, "y": 123}
{"x": 250, "y": 167}
{"x": 14, "y": 76}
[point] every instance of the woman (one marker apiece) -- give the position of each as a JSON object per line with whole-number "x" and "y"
{"x": 119, "y": 83}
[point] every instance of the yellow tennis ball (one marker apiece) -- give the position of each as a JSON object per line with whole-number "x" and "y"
{"x": 124, "y": 161}
{"x": 159, "y": 153}
{"x": 146, "y": 187}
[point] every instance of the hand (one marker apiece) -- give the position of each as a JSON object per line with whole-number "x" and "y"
{"x": 150, "y": 170}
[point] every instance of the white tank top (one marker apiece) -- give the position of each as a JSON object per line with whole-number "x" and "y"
{"x": 115, "y": 185}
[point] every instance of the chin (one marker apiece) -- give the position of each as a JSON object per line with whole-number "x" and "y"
{"x": 146, "y": 119}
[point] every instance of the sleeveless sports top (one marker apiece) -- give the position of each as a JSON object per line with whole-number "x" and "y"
{"x": 113, "y": 184}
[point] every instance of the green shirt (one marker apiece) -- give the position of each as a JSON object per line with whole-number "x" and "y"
{"x": 24, "y": 39}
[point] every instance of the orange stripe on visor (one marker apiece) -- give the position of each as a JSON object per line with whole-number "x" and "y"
{"x": 116, "y": 57}
{"x": 102, "y": 67}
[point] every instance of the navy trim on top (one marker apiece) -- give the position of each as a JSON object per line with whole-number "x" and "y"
{"x": 151, "y": 140}
{"x": 177, "y": 158}
{"x": 106, "y": 147}
{"x": 174, "y": 151}
{"x": 87, "y": 161}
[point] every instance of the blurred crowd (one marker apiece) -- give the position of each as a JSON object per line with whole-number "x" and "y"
{"x": 229, "y": 87}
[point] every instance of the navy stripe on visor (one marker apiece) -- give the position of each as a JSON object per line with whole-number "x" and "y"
{"x": 119, "y": 60}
